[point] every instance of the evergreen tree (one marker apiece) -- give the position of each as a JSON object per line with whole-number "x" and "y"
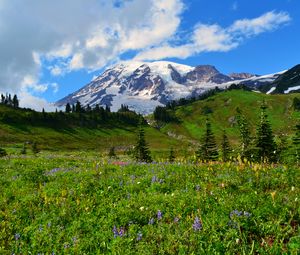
{"x": 78, "y": 107}
{"x": 2, "y": 152}
{"x": 208, "y": 150}
{"x": 15, "y": 101}
{"x": 171, "y": 156}
{"x": 68, "y": 108}
{"x": 88, "y": 108}
{"x": 107, "y": 109}
{"x": 296, "y": 144}
{"x": 282, "y": 148}
{"x": 34, "y": 148}
{"x": 265, "y": 144}
{"x": 2, "y": 99}
{"x": 226, "y": 150}
{"x": 245, "y": 134}
{"x": 9, "y": 100}
{"x": 141, "y": 150}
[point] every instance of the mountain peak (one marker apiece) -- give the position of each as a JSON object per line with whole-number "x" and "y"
{"x": 144, "y": 85}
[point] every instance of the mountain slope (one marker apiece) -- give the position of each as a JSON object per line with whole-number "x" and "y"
{"x": 221, "y": 110}
{"x": 144, "y": 85}
{"x": 287, "y": 82}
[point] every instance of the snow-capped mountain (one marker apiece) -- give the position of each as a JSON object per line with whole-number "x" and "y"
{"x": 287, "y": 82}
{"x": 144, "y": 85}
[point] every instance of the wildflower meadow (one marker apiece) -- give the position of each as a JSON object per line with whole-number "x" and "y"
{"x": 79, "y": 204}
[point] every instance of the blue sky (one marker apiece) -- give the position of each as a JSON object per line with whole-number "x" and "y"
{"x": 52, "y": 48}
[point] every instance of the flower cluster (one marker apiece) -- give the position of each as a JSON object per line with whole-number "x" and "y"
{"x": 197, "y": 226}
{"x": 118, "y": 232}
{"x": 239, "y": 214}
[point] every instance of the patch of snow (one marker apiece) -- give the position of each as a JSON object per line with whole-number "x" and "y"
{"x": 271, "y": 90}
{"x": 291, "y": 89}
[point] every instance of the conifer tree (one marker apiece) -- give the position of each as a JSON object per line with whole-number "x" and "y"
{"x": 171, "y": 156}
{"x": 34, "y": 148}
{"x": 265, "y": 145}
{"x": 226, "y": 150}
{"x": 68, "y": 108}
{"x": 245, "y": 134}
{"x": 141, "y": 150}
{"x": 78, "y": 107}
{"x": 208, "y": 150}
{"x": 3, "y": 152}
{"x": 2, "y": 99}
{"x": 15, "y": 101}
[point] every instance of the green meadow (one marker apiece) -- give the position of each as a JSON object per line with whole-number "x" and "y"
{"x": 84, "y": 203}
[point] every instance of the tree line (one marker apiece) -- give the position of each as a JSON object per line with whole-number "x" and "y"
{"x": 73, "y": 116}
{"x": 259, "y": 148}
{"x": 10, "y": 100}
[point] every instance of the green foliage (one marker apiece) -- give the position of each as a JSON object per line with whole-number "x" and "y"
{"x": 296, "y": 104}
{"x": 266, "y": 147}
{"x": 141, "y": 150}
{"x": 164, "y": 115}
{"x": 68, "y": 108}
{"x": 245, "y": 135}
{"x": 206, "y": 110}
{"x": 34, "y": 148}
{"x": 208, "y": 150}
{"x": 296, "y": 144}
{"x": 79, "y": 205}
{"x": 9, "y": 101}
{"x": 225, "y": 147}
{"x": 24, "y": 150}
{"x": 3, "y": 152}
{"x": 171, "y": 157}
{"x": 112, "y": 153}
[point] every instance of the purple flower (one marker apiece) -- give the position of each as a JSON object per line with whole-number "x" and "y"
{"x": 197, "y": 226}
{"x": 154, "y": 179}
{"x": 159, "y": 215}
{"x": 17, "y": 236}
{"x": 176, "y": 220}
{"x": 115, "y": 231}
{"x": 139, "y": 236}
{"x": 151, "y": 221}
{"x": 246, "y": 214}
{"x": 239, "y": 214}
{"x": 121, "y": 232}
{"x": 197, "y": 187}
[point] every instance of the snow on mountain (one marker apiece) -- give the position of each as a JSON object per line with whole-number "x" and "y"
{"x": 144, "y": 85}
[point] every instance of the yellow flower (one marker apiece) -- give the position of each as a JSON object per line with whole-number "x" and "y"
{"x": 273, "y": 195}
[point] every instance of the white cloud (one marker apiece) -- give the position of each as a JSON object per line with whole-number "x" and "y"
{"x": 267, "y": 22}
{"x": 29, "y": 101}
{"x": 214, "y": 38}
{"x": 77, "y": 34}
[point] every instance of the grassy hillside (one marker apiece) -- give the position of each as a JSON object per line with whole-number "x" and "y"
{"x": 221, "y": 110}
{"x": 54, "y": 136}
{"x": 75, "y": 133}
